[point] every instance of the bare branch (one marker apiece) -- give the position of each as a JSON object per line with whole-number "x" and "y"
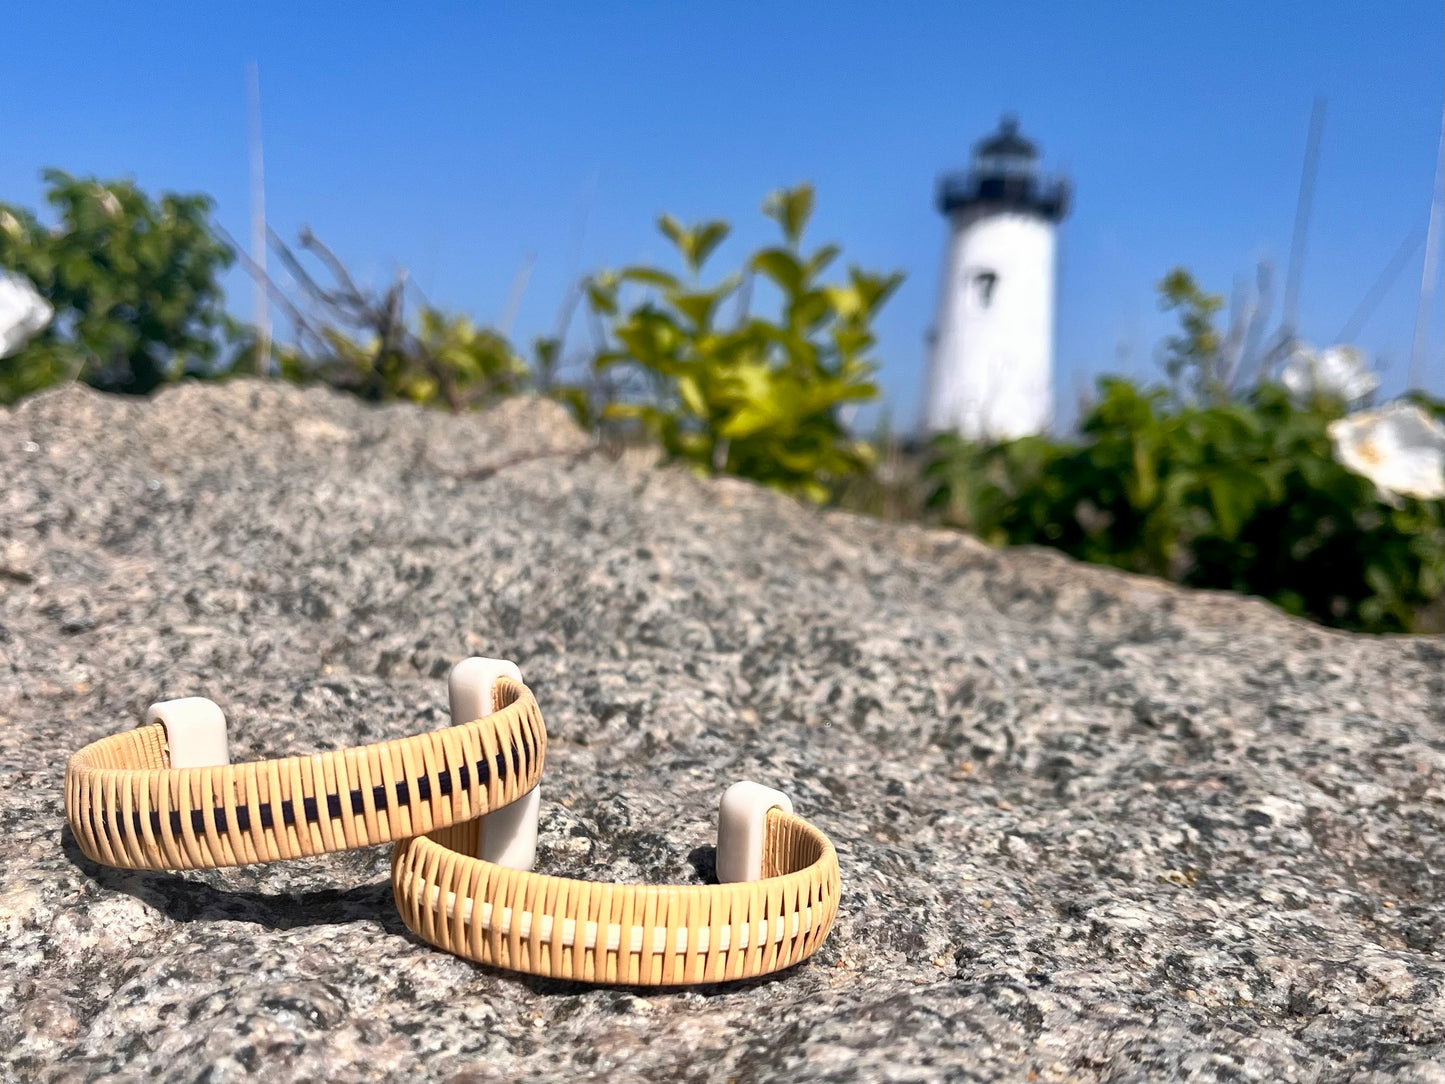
{"x": 299, "y": 272}
{"x": 273, "y": 292}
{"x": 311, "y": 243}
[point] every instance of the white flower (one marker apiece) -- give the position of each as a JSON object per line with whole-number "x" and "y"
{"x": 108, "y": 203}
{"x": 1398, "y": 447}
{"x": 1337, "y": 372}
{"x": 23, "y": 313}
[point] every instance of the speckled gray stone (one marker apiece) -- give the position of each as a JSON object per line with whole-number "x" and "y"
{"x": 1091, "y": 827}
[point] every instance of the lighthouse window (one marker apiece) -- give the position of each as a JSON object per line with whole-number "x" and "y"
{"x": 984, "y": 283}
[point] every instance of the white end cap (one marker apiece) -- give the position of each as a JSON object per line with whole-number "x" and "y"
{"x": 195, "y": 731}
{"x": 508, "y": 836}
{"x": 742, "y": 824}
{"x": 471, "y": 687}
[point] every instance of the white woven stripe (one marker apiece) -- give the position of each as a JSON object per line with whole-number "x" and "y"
{"x": 783, "y": 927}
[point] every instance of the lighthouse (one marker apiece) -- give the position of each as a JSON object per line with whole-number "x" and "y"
{"x": 991, "y": 363}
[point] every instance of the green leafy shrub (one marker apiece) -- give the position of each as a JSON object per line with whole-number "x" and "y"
{"x": 360, "y": 340}
{"x": 1244, "y": 496}
{"x": 1193, "y": 358}
{"x": 446, "y": 360}
{"x": 135, "y": 284}
{"x": 738, "y": 393}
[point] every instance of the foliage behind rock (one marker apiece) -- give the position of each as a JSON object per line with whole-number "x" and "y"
{"x": 134, "y": 281}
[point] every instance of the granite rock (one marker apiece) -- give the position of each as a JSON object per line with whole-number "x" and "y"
{"x": 1091, "y": 826}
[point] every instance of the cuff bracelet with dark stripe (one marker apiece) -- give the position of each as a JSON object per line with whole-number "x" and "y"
{"x": 162, "y": 796}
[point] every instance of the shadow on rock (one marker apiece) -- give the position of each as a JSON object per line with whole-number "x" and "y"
{"x": 626, "y": 992}
{"x": 703, "y": 860}
{"x": 185, "y": 900}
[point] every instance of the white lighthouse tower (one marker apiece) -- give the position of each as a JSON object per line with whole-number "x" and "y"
{"x": 991, "y": 367}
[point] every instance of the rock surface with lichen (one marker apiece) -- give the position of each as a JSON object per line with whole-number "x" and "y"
{"x": 1091, "y": 826}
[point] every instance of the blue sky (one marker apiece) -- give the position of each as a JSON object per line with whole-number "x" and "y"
{"x": 462, "y": 141}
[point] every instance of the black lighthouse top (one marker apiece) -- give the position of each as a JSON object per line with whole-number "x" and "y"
{"x": 1004, "y": 176}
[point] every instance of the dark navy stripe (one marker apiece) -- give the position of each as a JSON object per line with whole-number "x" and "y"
{"x": 310, "y": 808}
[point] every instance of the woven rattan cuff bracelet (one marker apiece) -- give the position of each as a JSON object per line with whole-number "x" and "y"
{"x": 163, "y": 796}
{"x": 778, "y": 912}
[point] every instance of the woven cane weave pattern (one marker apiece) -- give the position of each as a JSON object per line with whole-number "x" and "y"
{"x": 614, "y": 933}
{"x": 127, "y": 808}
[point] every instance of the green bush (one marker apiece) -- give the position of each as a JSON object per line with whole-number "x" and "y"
{"x": 739, "y": 393}
{"x": 1243, "y": 496}
{"x": 360, "y": 340}
{"x": 135, "y": 284}
{"x": 445, "y": 361}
